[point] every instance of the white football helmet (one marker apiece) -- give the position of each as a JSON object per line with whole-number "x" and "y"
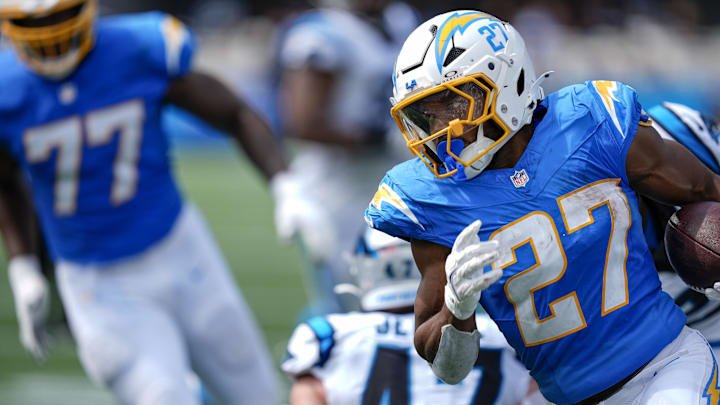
{"x": 476, "y": 69}
{"x": 51, "y": 36}
{"x": 384, "y": 271}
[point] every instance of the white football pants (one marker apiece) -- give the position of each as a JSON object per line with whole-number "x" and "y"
{"x": 683, "y": 373}
{"x": 142, "y": 323}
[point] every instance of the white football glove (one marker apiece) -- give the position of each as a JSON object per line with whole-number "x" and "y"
{"x": 296, "y": 217}
{"x": 464, "y": 271}
{"x": 32, "y": 301}
{"x": 713, "y": 293}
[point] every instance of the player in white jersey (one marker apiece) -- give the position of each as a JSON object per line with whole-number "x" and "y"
{"x": 336, "y": 67}
{"x": 699, "y": 134}
{"x": 369, "y": 357}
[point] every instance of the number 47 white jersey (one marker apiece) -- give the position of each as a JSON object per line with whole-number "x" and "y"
{"x": 369, "y": 358}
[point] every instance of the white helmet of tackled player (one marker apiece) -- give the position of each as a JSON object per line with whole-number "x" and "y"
{"x": 384, "y": 272}
{"x": 51, "y": 36}
{"x": 476, "y": 69}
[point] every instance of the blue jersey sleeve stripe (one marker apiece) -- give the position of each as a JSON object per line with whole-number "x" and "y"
{"x": 325, "y": 335}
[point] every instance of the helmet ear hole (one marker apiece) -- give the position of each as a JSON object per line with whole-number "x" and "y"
{"x": 521, "y": 82}
{"x": 454, "y": 53}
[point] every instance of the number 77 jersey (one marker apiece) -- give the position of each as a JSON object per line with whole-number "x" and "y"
{"x": 579, "y": 300}
{"x": 92, "y": 145}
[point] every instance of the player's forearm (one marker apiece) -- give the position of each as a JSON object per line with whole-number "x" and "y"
{"x": 684, "y": 181}
{"x": 709, "y": 188}
{"x": 208, "y": 98}
{"x": 17, "y": 221}
{"x": 255, "y": 138}
{"x": 687, "y": 180}
{"x": 307, "y": 390}
{"x": 428, "y": 333}
{"x": 666, "y": 171}
{"x": 309, "y": 125}
{"x": 450, "y": 346}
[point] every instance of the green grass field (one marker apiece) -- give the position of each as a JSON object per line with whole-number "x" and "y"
{"x": 239, "y": 209}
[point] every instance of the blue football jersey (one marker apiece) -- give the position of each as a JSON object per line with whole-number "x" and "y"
{"x": 92, "y": 145}
{"x": 579, "y": 300}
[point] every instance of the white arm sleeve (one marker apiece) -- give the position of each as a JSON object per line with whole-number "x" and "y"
{"x": 456, "y": 354}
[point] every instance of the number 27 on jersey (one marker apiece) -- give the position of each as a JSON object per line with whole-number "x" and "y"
{"x": 539, "y": 231}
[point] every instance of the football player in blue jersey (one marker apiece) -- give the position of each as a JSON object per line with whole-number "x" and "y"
{"x": 146, "y": 290}
{"x": 544, "y": 191}
{"x": 699, "y": 134}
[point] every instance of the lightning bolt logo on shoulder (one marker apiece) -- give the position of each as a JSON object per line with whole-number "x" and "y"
{"x": 385, "y": 194}
{"x": 606, "y": 89}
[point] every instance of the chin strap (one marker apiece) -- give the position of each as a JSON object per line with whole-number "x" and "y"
{"x": 456, "y": 147}
{"x": 465, "y": 153}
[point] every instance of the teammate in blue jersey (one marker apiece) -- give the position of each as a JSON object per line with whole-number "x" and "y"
{"x": 146, "y": 290}
{"x": 544, "y": 190}
{"x": 699, "y": 134}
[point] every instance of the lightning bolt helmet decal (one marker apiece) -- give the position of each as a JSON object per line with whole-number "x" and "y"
{"x": 456, "y": 22}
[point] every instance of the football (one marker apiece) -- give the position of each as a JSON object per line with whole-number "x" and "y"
{"x": 692, "y": 243}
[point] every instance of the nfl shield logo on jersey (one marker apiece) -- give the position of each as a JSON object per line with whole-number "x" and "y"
{"x": 520, "y": 179}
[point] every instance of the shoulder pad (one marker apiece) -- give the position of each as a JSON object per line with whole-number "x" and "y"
{"x": 310, "y": 346}
{"x": 393, "y": 212}
{"x": 167, "y": 44}
{"x": 619, "y": 103}
{"x": 312, "y": 41}
{"x": 12, "y": 82}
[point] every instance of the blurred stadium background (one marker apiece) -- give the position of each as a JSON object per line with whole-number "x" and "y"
{"x": 666, "y": 49}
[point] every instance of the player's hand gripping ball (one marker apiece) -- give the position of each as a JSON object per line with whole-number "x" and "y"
{"x": 692, "y": 243}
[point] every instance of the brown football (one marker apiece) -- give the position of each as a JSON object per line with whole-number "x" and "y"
{"x": 692, "y": 243}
